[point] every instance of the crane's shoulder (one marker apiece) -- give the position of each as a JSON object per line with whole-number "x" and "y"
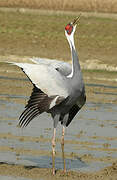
{"x": 61, "y": 66}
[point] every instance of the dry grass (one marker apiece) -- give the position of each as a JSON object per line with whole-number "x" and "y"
{"x": 42, "y": 35}
{"x": 72, "y": 5}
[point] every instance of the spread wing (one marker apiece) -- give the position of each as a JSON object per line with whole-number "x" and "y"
{"x": 50, "y": 89}
{"x": 46, "y": 78}
{"x": 38, "y": 103}
{"x": 63, "y": 67}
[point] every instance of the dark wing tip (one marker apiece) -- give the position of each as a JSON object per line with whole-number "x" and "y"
{"x": 26, "y": 119}
{"x": 37, "y": 104}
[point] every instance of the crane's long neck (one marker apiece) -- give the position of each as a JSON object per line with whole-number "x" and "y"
{"x": 75, "y": 60}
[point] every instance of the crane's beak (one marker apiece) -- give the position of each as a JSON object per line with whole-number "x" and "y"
{"x": 76, "y": 20}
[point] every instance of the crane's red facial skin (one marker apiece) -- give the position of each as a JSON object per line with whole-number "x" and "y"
{"x": 69, "y": 29}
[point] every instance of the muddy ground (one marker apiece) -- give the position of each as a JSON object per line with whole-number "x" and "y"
{"x": 92, "y": 158}
{"x": 91, "y": 148}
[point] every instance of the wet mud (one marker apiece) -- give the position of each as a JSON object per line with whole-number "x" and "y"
{"x": 90, "y": 140}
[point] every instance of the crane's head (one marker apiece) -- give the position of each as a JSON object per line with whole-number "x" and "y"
{"x": 70, "y": 28}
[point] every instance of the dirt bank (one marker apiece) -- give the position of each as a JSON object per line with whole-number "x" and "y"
{"x": 37, "y": 173}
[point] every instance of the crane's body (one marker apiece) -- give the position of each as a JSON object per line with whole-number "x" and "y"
{"x": 58, "y": 89}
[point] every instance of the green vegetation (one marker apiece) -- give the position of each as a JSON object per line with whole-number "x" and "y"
{"x": 40, "y": 35}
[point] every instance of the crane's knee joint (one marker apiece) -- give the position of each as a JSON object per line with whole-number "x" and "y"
{"x": 62, "y": 140}
{"x": 53, "y": 143}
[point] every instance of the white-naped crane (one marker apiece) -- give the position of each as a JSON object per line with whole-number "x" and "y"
{"x": 58, "y": 89}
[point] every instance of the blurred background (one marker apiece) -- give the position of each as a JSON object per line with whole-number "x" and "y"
{"x": 109, "y": 6}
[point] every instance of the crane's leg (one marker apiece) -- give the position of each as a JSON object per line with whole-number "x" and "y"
{"x": 53, "y": 151}
{"x": 62, "y": 147}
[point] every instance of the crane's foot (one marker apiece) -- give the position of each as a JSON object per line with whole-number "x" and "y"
{"x": 62, "y": 148}
{"x": 53, "y": 163}
{"x": 53, "y": 172}
{"x": 53, "y": 159}
{"x": 63, "y": 157}
{"x": 64, "y": 171}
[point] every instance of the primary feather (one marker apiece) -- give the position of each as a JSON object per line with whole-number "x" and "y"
{"x": 38, "y": 103}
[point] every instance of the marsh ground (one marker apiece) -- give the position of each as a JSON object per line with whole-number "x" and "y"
{"x": 93, "y": 145}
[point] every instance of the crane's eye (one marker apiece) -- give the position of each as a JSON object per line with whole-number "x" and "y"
{"x": 69, "y": 28}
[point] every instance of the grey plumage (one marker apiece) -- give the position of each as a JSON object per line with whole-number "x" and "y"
{"x": 58, "y": 89}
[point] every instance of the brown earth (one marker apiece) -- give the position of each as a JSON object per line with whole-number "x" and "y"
{"x": 109, "y": 173}
{"x": 22, "y": 38}
{"x": 40, "y": 35}
{"x": 76, "y": 5}
{"x": 35, "y": 173}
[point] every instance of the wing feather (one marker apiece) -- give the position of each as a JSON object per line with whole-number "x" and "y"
{"x": 50, "y": 89}
{"x": 46, "y": 78}
{"x": 64, "y": 67}
{"x": 38, "y": 103}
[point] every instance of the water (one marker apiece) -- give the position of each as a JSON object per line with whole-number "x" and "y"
{"x": 92, "y": 132}
{"x": 12, "y": 178}
{"x": 92, "y": 135}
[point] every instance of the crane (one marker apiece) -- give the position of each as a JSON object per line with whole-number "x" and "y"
{"x": 58, "y": 89}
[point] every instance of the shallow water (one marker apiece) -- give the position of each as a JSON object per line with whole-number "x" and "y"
{"x": 90, "y": 140}
{"x": 93, "y": 132}
{"x": 13, "y": 178}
